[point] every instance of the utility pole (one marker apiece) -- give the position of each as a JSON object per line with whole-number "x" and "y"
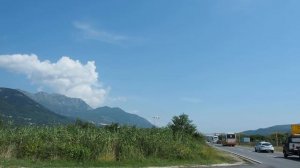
{"x": 276, "y": 139}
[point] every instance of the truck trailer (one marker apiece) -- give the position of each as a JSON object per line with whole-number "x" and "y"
{"x": 292, "y": 144}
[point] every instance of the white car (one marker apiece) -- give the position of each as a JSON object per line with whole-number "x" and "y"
{"x": 264, "y": 146}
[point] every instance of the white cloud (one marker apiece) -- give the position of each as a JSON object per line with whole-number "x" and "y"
{"x": 66, "y": 76}
{"x": 90, "y": 32}
{"x": 117, "y": 99}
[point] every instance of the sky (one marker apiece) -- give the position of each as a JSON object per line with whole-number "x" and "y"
{"x": 230, "y": 65}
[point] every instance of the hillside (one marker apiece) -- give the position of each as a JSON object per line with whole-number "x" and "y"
{"x": 108, "y": 115}
{"x": 60, "y": 104}
{"x": 77, "y": 108}
{"x": 18, "y": 108}
{"x": 269, "y": 130}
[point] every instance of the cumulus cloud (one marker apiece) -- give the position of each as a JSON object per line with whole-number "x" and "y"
{"x": 66, "y": 76}
{"x": 90, "y": 32}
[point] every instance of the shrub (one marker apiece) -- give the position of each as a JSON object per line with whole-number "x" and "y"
{"x": 81, "y": 143}
{"x": 182, "y": 125}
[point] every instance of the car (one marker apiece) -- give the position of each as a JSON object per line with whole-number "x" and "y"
{"x": 264, "y": 146}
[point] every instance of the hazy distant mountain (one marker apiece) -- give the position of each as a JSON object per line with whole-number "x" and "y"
{"x": 15, "y": 106}
{"x": 77, "y": 108}
{"x": 108, "y": 115}
{"x": 269, "y": 130}
{"x": 60, "y": 104}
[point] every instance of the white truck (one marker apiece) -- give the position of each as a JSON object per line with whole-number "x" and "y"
{"x": 212, "y": 138}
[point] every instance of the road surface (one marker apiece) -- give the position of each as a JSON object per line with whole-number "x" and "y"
{"x": 267, "y": 160}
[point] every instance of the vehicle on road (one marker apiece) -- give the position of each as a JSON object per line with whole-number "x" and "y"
{"x": 292, "y": 143}
{"x": 264, "y": 146}
{"x": 292, "y": 146}
{"x": 215, "y": 139}
{"x": 212, "y": 138}
{"x": 228, "y": 139}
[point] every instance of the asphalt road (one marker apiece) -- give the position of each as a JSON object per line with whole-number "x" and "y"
{"x": 268, "y": 160}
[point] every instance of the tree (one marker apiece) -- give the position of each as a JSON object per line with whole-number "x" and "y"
{"x": 114, "y": 127}
{"x": 181, "y": 124}
{"x": 257, "y": 138}
{"x": 1, "y": 122}
{"x": 83, "y": 124}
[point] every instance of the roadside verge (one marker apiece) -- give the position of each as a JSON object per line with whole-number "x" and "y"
{"x": 248, "y": 159}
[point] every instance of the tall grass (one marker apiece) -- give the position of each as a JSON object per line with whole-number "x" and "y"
{"x": 110, "y": 144}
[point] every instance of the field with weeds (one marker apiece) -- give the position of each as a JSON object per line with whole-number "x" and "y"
{"x": 87, "y": 145}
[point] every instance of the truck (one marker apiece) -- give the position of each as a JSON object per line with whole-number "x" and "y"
{"x": 212, "y": 138}
{"x": 292, "y": 144}
{"x": 228, "y": 139}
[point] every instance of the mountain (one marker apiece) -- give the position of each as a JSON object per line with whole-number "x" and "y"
{"x": 108, "y": 115}
{"x": 77, "y": 108}
{"x": 60, "y": 104}
{"x": 15, "y": 106}
{"x": 269, "y": 130}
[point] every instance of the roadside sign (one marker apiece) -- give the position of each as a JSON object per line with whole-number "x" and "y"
{"x": 295, "y": 128}
{"x": 246, "y": 139}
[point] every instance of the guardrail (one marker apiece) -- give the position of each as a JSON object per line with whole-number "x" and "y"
{"x": 239, "y": 155}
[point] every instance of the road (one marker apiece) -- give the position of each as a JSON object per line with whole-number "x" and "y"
{"x": 268, "y": 160}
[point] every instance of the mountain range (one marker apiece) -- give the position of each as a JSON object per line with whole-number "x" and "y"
{"x": 60, "y": 104}
{"x": 19, "y": 109}
{"x": 269, "y": 130}
{"x": 24, "y": 108}
{"x": 44, "y": 108}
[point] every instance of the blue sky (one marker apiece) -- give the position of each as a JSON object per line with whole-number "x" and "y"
{"x": 230, "y": 65}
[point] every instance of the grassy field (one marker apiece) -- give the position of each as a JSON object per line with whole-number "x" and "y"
{"x": 145, "y": 163}
{"x": 89, "y": 146}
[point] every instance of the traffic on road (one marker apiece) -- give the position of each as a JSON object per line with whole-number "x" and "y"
{"x": 263, "y": 153}
{"x": 261, "y": 159}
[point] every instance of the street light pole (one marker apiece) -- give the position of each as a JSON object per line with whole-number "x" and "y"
{"x": 276, "y": 139}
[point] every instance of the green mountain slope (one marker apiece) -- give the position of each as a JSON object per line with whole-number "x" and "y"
{"x": 108, "y": 115}
{"x": 60, "y": 104}
{"x": 77, "y": 108}
{"x": 269, "y": 130}
{"x": 16, "y": 107}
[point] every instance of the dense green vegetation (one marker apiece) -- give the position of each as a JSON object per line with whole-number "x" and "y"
{"x": 182, "y": 125}
{"x": 83, "y": 143}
